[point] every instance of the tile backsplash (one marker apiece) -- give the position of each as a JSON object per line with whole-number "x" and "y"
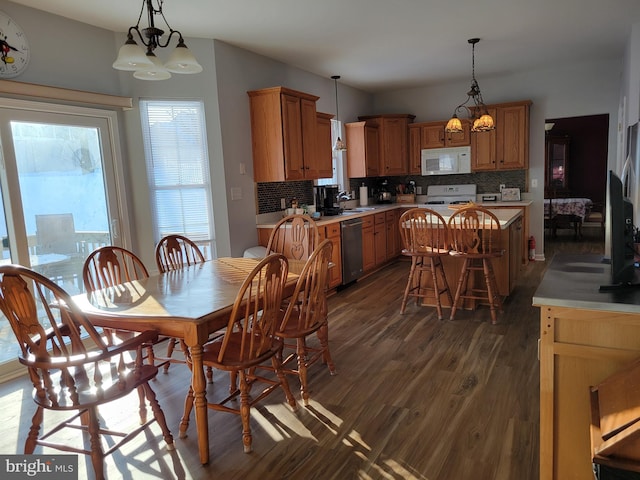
{"x": 270, "y": 194}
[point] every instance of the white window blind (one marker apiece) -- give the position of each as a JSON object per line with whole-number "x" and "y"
{"x": 174, "y": 134}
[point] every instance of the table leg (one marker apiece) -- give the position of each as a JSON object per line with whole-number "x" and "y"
{"x": 198, "y": 384}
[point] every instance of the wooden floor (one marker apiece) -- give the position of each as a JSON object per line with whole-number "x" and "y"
{"x": 414, "y": 398}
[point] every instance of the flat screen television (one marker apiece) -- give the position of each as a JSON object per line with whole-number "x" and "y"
{"x": 619, "y": 227}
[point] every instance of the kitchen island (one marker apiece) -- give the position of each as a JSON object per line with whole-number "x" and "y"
{"x": 381, "y": 241}
{"x": 585, "y": 336}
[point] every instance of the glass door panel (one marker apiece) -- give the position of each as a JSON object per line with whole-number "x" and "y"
{"x": 64, "y": 203}
{"x": 59, "y": 194}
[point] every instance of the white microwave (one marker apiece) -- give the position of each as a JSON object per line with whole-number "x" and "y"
{"x": 445, "y": 161}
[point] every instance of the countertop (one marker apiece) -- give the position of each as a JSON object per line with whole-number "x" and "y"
{"x": 505, "y": 215}
{"x": 573, "y": 281}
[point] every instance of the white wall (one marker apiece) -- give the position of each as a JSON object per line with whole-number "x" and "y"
{"x": 587, "y": 88}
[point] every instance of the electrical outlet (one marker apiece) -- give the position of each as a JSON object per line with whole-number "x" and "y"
{"x": 283, "y": 203}
{"x": 534, "y": 183}
{"x": 502, "y": 186}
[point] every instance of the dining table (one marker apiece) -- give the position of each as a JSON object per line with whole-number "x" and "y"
{"x": 189, "y": 303}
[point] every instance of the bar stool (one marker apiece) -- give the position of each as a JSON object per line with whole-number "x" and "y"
{"x": 474, "y": 233}
{"x": 425, "y": 239}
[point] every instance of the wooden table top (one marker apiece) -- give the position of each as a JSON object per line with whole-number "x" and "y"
{"x": 197, "y": 295}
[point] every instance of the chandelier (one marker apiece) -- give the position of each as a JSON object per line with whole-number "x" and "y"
{"x": 340, "y": 146}
{"x": 145, "y": 65}
{"x": 482, "y": 121}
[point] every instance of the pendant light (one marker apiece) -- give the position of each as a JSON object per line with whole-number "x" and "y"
{"x": 340, "y": 146}
{"x": 482, "y": 121}
{"x": 131, "y": 57}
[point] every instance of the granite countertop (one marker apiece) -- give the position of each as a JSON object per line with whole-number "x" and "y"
{"x": 574, "y": 280}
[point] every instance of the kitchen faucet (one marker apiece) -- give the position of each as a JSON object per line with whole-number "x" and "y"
{"x": 343, "y": 197}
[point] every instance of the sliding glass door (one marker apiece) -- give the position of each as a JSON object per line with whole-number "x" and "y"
{"x": 59, "y": 182}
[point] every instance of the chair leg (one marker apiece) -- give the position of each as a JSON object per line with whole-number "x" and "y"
{"x": 302, "y": 371}
{"x": 142, "y": 406}
{"x": 436, "y": 287}
{"x": 445, "y": 284}
{"x": 409, "y": 286}
{"x": 284, "y": 383}
{"x": 158, "y": 414}
{"x": 34, "y": 431}
{"x": 245, "y": 412}
{"x": 462, "y": 286}
{"x": 184, "y": 421}
{"x": 495, "y": 303}
{"x": 323, "y": 338}
{"x": 171, "y": 345}
{"x": 97, "y": 455}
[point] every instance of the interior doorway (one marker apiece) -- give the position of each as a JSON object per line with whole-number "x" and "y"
{"x": 585, "y": 141}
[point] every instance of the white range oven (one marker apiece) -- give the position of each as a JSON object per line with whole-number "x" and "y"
{"x": 451, "y": 194}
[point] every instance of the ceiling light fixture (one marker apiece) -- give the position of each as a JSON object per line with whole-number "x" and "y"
{"x": 146, "y": 66}
{"x": 340, "y": 146}
{"x": 482, "y": 121}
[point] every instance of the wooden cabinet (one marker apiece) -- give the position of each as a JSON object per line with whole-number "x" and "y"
{"x": 324, "y": 154}
{"x": 506, "y": 147}
{"x": 393, "y": 131}
{"x": 380, "y": 238}
{"x": 284, "y": 135}
{"x": 581, "y": 344}
{"x": 332, "y": 232}
{"x": 393, "y": 234}
{"x": 363, "y": 143}
{"x": 483, "y": 148}
{"x": 368, "y": 244}
{"x": 434, "y": 136}
{"x": 415, "y": 148}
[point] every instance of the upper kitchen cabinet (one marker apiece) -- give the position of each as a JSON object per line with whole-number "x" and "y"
{"x": 434, "y": 136}
{"x": 324, "y": 154}
{"x": 506, "y": 147}
{"x": 393, "y": 132}
{"x": 285, "y": 138}
{"x": 363, "y": 144}
{"x": 415, "y": 147}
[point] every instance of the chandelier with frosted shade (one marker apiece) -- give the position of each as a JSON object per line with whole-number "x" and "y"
{"x": 146, "y": 65}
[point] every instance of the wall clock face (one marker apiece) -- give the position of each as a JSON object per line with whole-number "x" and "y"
{"x": 14, "y": 48}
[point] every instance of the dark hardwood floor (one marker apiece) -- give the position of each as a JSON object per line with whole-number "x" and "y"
{"x": 414, "y": 398}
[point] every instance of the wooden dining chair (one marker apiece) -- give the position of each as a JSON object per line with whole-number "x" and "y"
{"x": 72, "y": 368}
{"x": 174, "y": 252}
{"x": 249, "y": 340}
{"x": 306, "y": 314}
{"x": 109, "y": 266}
{"x": 425, "y": 239}
{"x": 475, "y": 236}
{"x": 295, "y": 237}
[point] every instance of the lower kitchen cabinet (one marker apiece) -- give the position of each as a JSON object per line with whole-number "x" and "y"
{"x": 368, "y": 244}
{"x": 332, "y": 232}
{"x": 380, "y": 238}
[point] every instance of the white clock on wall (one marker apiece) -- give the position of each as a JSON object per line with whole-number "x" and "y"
{"x": 14, "y": 48}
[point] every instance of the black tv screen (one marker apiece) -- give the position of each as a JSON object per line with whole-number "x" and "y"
{"x": 619, "y": 218}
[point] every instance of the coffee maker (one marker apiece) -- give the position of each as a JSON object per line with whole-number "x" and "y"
{"x": 327, "y": 199}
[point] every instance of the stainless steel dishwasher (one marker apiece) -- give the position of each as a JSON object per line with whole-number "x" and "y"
{"x": 351, "y": 236}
